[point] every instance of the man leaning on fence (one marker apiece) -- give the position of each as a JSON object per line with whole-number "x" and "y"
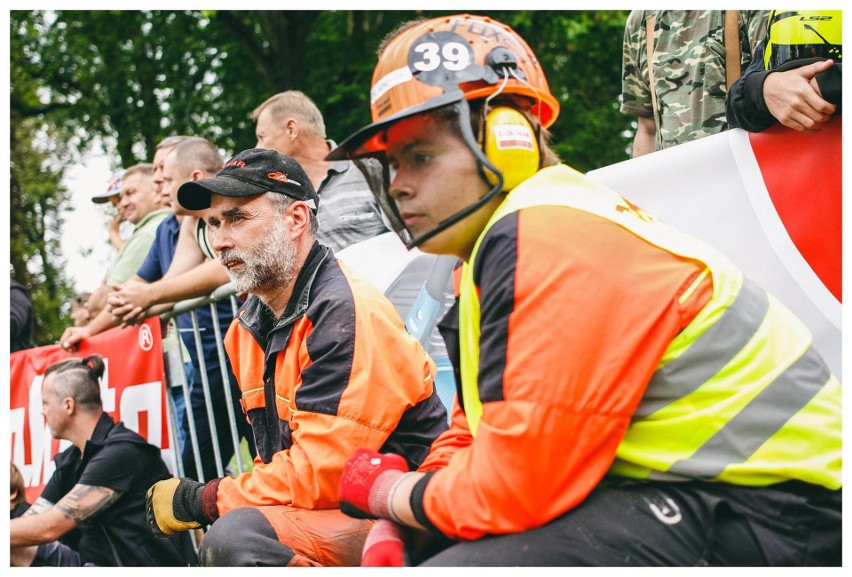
{"x": 324, "y": 364}
{"x": 199, "y": 157}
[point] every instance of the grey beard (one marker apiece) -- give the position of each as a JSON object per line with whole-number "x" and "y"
{"x": 269, "y": 265}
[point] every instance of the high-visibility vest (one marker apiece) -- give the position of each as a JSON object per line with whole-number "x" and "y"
{"x": 739, "y": 396}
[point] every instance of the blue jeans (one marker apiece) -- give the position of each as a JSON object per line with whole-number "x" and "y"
{"x": 221, "y": 410}
{"x": 180, "y": 405}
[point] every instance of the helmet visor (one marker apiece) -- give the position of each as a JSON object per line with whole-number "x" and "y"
{"x": 371, "y": 138}
{"x": 444, "y": 208}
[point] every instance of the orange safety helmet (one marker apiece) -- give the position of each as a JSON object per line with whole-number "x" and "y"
{"x": 444, "y": 60}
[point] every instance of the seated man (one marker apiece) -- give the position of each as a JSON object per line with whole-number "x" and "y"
{"x": 324, "y": 365}
{"x": 91, "y": 511}
{"x": 626, "y": 396}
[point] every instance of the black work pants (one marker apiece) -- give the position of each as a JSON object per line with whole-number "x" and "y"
{"x": 644, "y": 523}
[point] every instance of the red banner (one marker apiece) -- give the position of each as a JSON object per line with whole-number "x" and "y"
{"x": 132, "y": 390}
{"x": 804, "y": 179}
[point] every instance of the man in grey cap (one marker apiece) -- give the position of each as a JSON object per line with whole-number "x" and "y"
{"x": 324, "y": 365}
{"x": 139, "y": 205}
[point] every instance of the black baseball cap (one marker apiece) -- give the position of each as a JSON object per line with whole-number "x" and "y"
{"x": 249, "y": 173}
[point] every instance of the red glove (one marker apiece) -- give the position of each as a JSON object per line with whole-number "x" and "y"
{"x": 385, "y": 545}
{"x": 366, "y": 484}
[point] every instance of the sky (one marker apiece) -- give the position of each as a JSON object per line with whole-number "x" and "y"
{"x": 85, "y": 227}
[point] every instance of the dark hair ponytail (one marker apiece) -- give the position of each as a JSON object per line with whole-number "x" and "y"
{"x": 95, "y": 366}
{"x": 79, "y": 379}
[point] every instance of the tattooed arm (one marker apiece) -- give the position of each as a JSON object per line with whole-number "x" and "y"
{"x": 45, "y": 522}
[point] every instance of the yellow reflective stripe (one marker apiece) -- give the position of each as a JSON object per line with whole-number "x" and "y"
{"x": 469, "y": 335}
{"x": 821, "y": 463}
{"x": 709, "y": 353}
{"x": 758, "y": 421}
{"x": 742, "y": 438}
{"x": 247, "y": 392}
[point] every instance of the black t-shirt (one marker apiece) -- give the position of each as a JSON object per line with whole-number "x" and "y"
{"x": 122, "y": 460}
{"x": 19, "y": 510}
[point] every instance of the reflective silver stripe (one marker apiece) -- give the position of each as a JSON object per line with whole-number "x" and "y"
{"x": 759, "y": 420}
{"x": 712, "y": 351}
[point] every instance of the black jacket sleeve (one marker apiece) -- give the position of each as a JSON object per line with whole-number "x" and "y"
{"x": 745, "y": 106}
{"x": 830, "y": 85}
{"x": 20, "y": 318}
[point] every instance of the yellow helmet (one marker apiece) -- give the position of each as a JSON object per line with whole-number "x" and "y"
{"x": 799, "y": 34}
{"x": 443, "y": 60}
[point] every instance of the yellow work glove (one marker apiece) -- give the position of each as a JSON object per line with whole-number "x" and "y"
{"x": 179, "y": 505}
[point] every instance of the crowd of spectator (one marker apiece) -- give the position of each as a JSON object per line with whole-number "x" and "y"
{"x": 351, "y": 447}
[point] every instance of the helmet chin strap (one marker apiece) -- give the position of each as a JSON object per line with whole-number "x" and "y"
{"x": 482, "y": 163}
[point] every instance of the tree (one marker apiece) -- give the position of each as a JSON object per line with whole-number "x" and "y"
{"x": 36, "y": 198}
{"x": 36, "y": 203}
{"x": 130, "y": 78}
{"x": 134, "y": 77}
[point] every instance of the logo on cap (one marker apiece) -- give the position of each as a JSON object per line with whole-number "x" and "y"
{"x": 281, "y": 177}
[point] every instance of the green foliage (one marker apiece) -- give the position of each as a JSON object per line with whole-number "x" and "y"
{"x": 36, "y": 198}
{"x": 37, "y": 201}
{"x": 135, "y": 77}
{"x": 129, "y": 78}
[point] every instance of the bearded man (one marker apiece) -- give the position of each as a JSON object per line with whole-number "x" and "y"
{"x": 324, "y": 364}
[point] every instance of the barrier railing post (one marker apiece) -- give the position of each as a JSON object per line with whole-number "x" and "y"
{"x": 208, "y": 403}
{"x": 226, "y": 384}
{"x": 190, "y": 306}
{"x": 175, "y": 377}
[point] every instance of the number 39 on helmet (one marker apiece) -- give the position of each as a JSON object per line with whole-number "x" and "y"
{"x": 444, "y": 60}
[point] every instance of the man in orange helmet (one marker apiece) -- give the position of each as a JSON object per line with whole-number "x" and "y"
{"x": 625, "y": 396}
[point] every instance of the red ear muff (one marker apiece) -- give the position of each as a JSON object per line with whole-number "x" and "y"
{"x": 511, "y": 145}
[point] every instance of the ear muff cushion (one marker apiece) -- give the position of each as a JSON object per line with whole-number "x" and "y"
{"x": 511, "y": 145}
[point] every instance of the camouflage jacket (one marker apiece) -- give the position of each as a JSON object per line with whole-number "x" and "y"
{"x": 689, "y": 69}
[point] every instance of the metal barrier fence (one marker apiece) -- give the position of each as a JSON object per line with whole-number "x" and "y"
{"x": 176, "y": 377}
